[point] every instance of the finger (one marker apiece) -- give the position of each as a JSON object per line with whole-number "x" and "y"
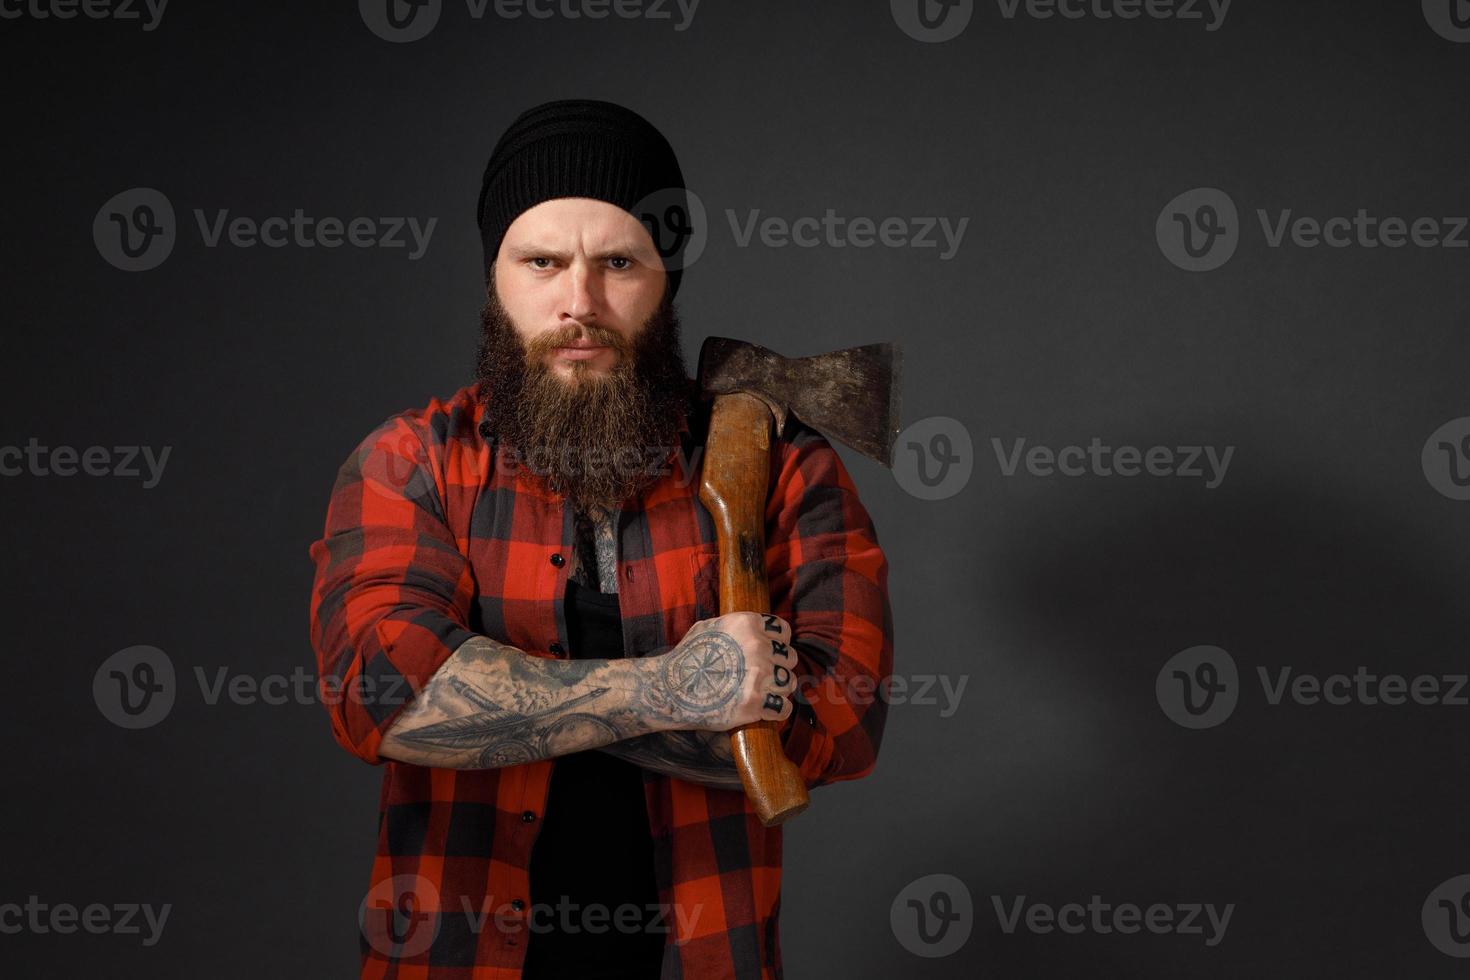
{"x": 782, "y": 676}
{"x": 772, "y": 623}
{"x": 780, "y": 651}
{"x": 774, "y": 703}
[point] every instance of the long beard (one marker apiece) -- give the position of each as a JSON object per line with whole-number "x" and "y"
{"x": 597, "y": 439}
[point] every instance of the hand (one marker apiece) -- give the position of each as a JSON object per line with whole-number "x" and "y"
{"x": 730, "y": 671}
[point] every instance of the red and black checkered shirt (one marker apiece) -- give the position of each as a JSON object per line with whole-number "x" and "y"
{"x": 434, "y": 535}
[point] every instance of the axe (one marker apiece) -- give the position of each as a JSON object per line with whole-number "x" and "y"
{"x": 851, "y": 396}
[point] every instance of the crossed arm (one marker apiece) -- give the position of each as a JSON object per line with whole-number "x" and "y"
{"x": 492, "y": 705}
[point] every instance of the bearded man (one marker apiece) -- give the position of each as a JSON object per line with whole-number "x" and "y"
{"x": 516, "y": 598}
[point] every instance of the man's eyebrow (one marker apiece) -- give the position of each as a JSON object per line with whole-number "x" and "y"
{"x": 520, "y": 253}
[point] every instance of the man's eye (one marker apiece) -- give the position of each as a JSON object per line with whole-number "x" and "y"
{"x": 540, "y": 262}
{"x": 621, "y": 263}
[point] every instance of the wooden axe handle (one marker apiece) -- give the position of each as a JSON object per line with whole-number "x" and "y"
{"x": 737, "y": 471}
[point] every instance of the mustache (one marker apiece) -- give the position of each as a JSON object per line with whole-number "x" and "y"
{"x": 545, "y": 343}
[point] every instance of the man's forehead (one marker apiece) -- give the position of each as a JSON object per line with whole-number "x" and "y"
{"x": 578, "y": 222}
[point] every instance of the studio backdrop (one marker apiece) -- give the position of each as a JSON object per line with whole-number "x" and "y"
{"x": 1176, "y": 519}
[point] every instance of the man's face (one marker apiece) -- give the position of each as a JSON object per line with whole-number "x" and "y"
{"x": 578, "y": 278}
{"x": 580, "y": 353}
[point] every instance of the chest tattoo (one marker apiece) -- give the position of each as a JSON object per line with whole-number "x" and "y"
{"x": 595, "y": 561}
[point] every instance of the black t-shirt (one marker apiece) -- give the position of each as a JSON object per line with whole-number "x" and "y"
{"x": 594, "y": 850}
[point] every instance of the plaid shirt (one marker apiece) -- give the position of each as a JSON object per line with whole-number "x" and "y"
{"x": 434, "y": 535}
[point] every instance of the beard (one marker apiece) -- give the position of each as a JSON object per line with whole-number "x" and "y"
{"x": 598, "y": 439}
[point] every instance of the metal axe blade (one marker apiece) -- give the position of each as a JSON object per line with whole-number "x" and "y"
{"x": 852, "y": 396}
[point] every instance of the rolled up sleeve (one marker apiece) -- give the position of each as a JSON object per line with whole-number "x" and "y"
{"x": 829, "y": 579}
{"x": 392, "y": 590}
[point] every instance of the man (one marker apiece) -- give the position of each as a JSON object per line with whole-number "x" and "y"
{"x": 528, "y": 568}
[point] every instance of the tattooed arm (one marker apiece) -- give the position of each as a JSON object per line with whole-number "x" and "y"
{"x": 491, "y": 705}
{"x": 695, "y": 756}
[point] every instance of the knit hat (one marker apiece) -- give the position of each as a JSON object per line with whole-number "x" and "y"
{"x": 579, "y": 148}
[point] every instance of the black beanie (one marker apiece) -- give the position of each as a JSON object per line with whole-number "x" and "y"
{"x": 576, "y": 148}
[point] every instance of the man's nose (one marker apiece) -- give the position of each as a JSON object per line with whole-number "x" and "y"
{"x": 580, "y": 302}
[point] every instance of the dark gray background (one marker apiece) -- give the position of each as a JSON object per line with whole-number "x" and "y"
{"x": 1059, "y": 320}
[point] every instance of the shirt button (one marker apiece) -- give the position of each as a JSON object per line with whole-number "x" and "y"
{"x": 557, "y": 648}
{"x": 517, "y": 905}
{"x": 528, "y": 817}
{"x": 558, "y": 560}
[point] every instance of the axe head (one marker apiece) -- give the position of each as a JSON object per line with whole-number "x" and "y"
{"x": 851, "y": 395}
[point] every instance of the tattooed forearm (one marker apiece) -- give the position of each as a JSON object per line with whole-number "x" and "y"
{"x": 698, "y": 757}
{"x": 492, "y": 705}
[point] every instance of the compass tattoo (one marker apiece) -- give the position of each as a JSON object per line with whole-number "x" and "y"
{"x": 706, "y": 674}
